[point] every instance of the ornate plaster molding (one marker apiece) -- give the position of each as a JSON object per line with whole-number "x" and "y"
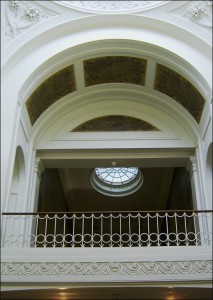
{"x": 106, "y": 268}
{"x": 38, "y": 167}
{"x": 199, "y": 12}
{"x": 111, "y": 6}
{"x": 21, "y": 15}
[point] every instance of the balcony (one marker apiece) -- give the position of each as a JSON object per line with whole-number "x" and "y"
{"x": 147, "y": 246}
{"x": 107, "y": 229}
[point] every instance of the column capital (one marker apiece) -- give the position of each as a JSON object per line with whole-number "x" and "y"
{"x": 191, "y": 165}
{"x": 38, "y": 167}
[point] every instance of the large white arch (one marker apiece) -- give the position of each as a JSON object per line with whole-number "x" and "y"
{"x": 50, "y": 50}
{"x": 165, "y": 34}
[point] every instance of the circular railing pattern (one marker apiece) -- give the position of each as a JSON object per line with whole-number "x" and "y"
{"x": 107, "y": 229}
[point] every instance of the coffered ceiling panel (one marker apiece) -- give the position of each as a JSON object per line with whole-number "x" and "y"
{"x": 50, "y": 91}
{"x": 114, "y": 69}
{"x": 177, "y": 87}
{"x": 115, "y": 123}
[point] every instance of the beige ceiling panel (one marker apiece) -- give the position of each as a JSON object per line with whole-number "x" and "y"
{"x": 50, "y": 91}
{"x": 177, "y": 87}
{"x": 115, "y": 123}
{"x": 115, "y": 69}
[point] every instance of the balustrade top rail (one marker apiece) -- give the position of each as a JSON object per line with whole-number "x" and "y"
{"x": 107, "y": 212}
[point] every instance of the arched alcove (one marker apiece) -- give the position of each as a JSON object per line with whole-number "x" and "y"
{"x": 18, "y": 180}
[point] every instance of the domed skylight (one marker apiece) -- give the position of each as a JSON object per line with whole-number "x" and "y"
{"x": 117, "y": 182}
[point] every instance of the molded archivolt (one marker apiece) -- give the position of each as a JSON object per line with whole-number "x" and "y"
{"x": 115, "y": 69}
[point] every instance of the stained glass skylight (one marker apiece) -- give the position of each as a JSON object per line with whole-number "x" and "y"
{"x": 117, "y": 182}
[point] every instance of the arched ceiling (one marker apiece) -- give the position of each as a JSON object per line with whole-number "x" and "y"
{"x": 137, "y": 60}
{"x": 116, "y": 69}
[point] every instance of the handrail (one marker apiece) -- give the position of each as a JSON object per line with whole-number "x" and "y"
{"x": 106, "y": 212}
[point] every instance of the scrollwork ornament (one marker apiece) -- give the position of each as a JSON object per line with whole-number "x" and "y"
{"x": 199, "y": 12}
{"x": 110, "y": 6}
{"x": 106, "y": 268}
{"x": 131, "y": 269}
{"x": 115, "y": 268}
{"x": 32, "y": 13}
{"x": 21, "y": 15}
{"x": 15, "y": 4}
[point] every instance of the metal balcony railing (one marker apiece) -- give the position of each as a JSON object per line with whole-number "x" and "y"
{"x": 107, "y": 229}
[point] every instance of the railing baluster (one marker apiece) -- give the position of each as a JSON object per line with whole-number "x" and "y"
{"x": 202, "y": 231}
{"x": 45, "y": 233}
{"x": 176, "y": 230}
{"x": 167, "y": 230}
{"x": 101, "y": 230}
{"x": 186, "y": 234}
{"x": 36, "y": 231}
{"x": 73, "y": 231}
{"x": 130, "y": 236}
{"x": 64, "y": 230}
{"x": 120, "y": 224}
{"x": 82, "y": 231}
{"x": 139, "y": 230}
{"x": 158, "y": 229}
{"x": 92, "y": 233}
{"x": 149, "y": 242}
{"x": 209, "y": 225}
{"x": 110, "y": 230}
{"x": 195, "y": 229}
{"x": 54, "y": 233}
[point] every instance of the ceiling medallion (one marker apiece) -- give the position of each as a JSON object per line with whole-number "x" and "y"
{"x": 116, "y": 182}
{"x": 111, "y": 6}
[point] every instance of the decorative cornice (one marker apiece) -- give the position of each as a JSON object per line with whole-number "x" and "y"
{"x": 111, "y": 6}
{"x": 106, "y": 268}
{"x": 199, "y": 12}
{"x": 21, "y": 15}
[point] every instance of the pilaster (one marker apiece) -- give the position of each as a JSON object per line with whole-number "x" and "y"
{"x": 195, "y": 183}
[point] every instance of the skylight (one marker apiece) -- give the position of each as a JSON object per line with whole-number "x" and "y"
{"x": 117, "y": 182}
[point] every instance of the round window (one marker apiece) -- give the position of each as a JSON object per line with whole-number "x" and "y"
{"x": 117, "y": 182}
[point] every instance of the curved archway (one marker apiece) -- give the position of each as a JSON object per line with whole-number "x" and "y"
{"x": 56, "y": 124}
{"x": 74, "y": 41}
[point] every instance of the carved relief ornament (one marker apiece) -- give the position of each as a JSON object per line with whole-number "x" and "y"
{"x": 106, "y": 268}
{"x": 21, "y": 15}
{"x": 199, "y": 12}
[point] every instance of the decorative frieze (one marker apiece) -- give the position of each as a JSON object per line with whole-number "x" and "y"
{"x": 106, "y": 268}
{"x": 111, "y": 6}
